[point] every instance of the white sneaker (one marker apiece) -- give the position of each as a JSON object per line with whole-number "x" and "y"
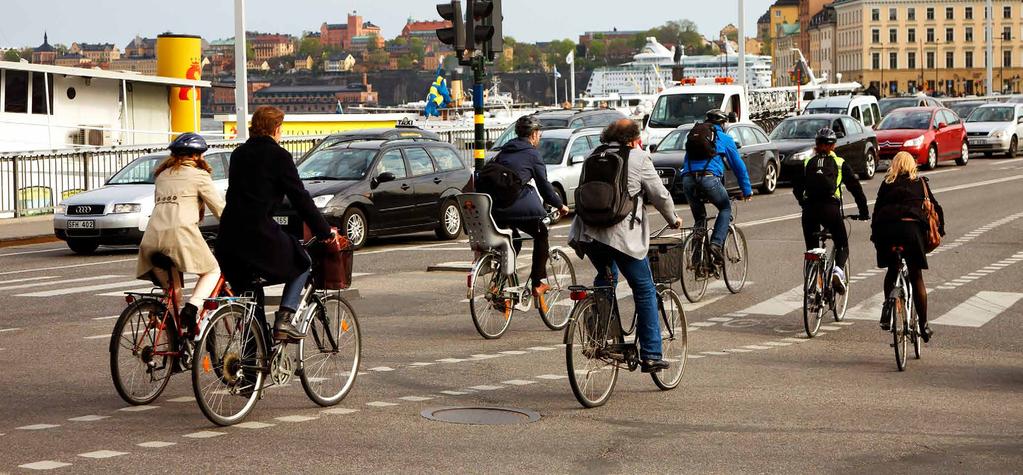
{"x": 838, "y": 280}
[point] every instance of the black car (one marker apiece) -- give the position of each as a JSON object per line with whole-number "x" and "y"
{"x": 409, "y": 132}
{"x": 794, "y": 137}
{"x": 384, "y": 187}
{"x": 563, "y": 119}
{"x": 755, "y": 148}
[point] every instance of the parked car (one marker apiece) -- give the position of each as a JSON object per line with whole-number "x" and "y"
{"x": 117, "y": 213}
{"x": 862, "y": 108}
{"x": 995, "y": 128}
{"x": 755, "y": 148}
{"x": 409, "y": 132}
{"x": 965, "y": 108}
{"x": 562, "y": 119}
{"x": 563, "y": 151}
{"x": 931, "y": 134}
{"x": 890, "y": 104}
{"x": 383, "y": 187}
{"x": 795, "y": 139}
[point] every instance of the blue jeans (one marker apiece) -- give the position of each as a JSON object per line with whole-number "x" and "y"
{"x": 290, "y": 298}
{"x": 608, "y": 261}
{"x": 715, "y": 191}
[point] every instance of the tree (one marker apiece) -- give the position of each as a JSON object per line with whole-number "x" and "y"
{"x": 406, "y": 61}
{"x": 12, "y": 55}
{"x": 418, "y": 49}
{"x": 373, "y": 46}
{"x": 377, "y": 60}
{"x": 309, "y": 47}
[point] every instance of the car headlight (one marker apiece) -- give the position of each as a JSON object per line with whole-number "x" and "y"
{"x": 800, "y": 156}
{"x": 322, "y": 200}
{"x": 60, "y": 209}
{"x": 127, "y": 208}
{"x": 998, "y": 134}
{"x": 914, "y": 142}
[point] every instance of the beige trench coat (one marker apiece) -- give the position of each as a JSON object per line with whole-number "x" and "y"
{"x": 173, "y": 228}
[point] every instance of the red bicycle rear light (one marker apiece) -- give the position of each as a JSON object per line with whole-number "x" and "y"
{"x": 578, "y": 295}
{"x": 468, "y": 281}
{"x": 210, "y": 305}
{"x": 811, "y": 256}
{"x": 129, "y": 299}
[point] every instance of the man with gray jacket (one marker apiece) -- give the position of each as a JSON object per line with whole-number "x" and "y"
{"x": 624, "y": 246}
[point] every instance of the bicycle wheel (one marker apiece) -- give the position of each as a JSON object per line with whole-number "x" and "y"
{"x": 694, "y": 268}
{"x": 900, "y": 328}
{"x": 230, "y": 364}
{"x": 140, "y": 347}
{"x": 674, "y": 340}
{"x": 841, "y": 303}
{"x": 813, "y": 305}
{"x": 331, "y": 351}
{"x": 918, "y": 344}
{"x": 736, "y": 264}
{"x": 491, "y": 313}
{"x": 560, "y": 276}
{"x": 591, "y": 371}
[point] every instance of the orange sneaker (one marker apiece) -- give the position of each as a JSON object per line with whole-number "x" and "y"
{"x": 540, "y": 293}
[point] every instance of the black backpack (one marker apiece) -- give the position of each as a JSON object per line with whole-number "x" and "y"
{"x": 602, "y": 198}
{"x": 701, "y": 143}
{"x": 821, "y": 177}
{"x": 500, "y": 182}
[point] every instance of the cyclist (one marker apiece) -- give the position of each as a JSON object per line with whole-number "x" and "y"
{"x": 184, "y": 188}
{"x": 527, "y": 212}
{"x": 250, "y": 244}
{"x": 899, "y": 220}
{"x": 818, "y": 190}
{"x": 703, "y": 176}
{"x": 624, "y": 246}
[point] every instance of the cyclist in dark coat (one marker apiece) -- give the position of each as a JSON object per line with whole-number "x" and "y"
{"x": 250, "y": 243}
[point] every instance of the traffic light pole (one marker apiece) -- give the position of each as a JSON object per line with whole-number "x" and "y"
{"x": 478, "y": 76}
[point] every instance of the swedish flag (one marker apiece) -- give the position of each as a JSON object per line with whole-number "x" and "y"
{"x": 439, "y": 95}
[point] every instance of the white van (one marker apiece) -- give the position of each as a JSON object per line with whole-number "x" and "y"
{"x": 861, "y": 108}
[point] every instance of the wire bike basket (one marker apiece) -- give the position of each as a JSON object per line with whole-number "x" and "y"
{"x": 666, "y": 257}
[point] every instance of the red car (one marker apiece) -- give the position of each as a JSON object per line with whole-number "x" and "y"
{"x": 931, "y": 134}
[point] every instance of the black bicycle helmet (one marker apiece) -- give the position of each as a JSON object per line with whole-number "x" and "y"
{"x": 717, "y": 116}
{"x": 826, "y": 136}
{"x": 526, "y": 125}
{"x": 188, "y": 143}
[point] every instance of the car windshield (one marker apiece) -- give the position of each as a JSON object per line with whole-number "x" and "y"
{"x": 964, "y": 110}
{"x": 337, "y": 164}
{"x": 552, "y": 150}
{"x": 917, "y": 120}
{"x": 505, "y": 137}
{"x": 138, "y": 172}
{"x": 680, "y": 109}
{"x": 799, "y": 129}
{"x": 826, "y": 110}
{"x": 553, "y": 123}
{"x": 675, "y": 141}
{"x": 992, "y": 114}
{"x": 888, "y": 105}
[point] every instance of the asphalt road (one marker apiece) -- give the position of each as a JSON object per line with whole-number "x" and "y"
{"x": 757, "y": 396}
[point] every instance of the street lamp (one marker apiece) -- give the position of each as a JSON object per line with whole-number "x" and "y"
{"x": 1001, "y": 61}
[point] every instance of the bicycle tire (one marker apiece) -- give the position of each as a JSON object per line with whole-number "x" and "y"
{"x": 485, "y": 282}
{"x": 918, "y": 344}
{"x": 674, "y": 340}
{"x": 582, "y": 348}
{"x": 560, "y": 276}
{"x": 694, "y": 286}
{"x": 813, "y": 308}
{"x": 841, "y": 301}
{"x": 899, "y": 329}
{"x": 332, "y": 329}
{"x": 228, "y": 370}
{"x": 137, "y": 350}
{"x": 736, "y": 264}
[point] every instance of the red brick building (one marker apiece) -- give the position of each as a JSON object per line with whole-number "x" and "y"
{"x": 344, "y": 35}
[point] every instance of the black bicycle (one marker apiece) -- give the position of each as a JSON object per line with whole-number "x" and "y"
{"x": 898, "y": 309}
{"x": 819, "y": 294}
{"x": 699, "y": 266}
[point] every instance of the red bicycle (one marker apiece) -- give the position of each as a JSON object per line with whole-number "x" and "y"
{"x": 148, "y": 344}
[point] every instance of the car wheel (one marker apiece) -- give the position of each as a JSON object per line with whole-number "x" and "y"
{"x": 83, "y": 246}
{"x": 770, "y": 178}
{"x": 869, "y": 165}
{"x": 450, "y": 225}
{"x": 964, "y": 155}
{"x": 932, "y": 158}
{"x": 355, "y": 227}
{"x": 1013, "y": 148}
{"x": 561, "y": 194}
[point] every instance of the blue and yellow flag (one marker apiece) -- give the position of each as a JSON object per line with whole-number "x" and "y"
{"x": 439, "y": 96}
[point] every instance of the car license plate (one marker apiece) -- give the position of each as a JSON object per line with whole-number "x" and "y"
{"x": 666, "y": 181}
{"x": 282, "y": 220}
{"x": 81, "y": 224}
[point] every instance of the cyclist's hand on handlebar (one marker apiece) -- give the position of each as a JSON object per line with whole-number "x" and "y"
{"x": 747, "y": 198}
{"x": 563, "y": 211}
{"x": 677, "y": 224}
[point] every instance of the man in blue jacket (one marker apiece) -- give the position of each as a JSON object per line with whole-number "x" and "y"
{"x": 527, "y": 212}
{"x": 706, "y": 176}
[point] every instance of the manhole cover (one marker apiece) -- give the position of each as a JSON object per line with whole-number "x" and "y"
{"x": 481, "y": 415}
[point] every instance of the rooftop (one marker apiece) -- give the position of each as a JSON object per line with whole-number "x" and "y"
{"x": 101, "y": 74}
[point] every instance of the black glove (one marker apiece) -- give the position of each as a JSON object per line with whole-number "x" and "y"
{"x": 864, "y": 216}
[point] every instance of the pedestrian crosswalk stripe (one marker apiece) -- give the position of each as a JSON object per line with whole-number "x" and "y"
{"x": 869, "y": 309}
{"x": 979, "y": 309}
{"x": 779, "y": 305}
{"x": 78, "y": 290}
{"x": 59, "y": 282}
{"x": 27, "y": 279}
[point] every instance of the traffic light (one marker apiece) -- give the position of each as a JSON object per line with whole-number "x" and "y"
{"x": 454, "y": 36}
{"x": 477, "y": 31}
{"x": 495, "y": 46}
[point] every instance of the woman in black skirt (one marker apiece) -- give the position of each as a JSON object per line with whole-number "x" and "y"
{"x": 899, "y": 220}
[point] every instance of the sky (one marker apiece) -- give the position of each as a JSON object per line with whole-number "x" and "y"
{"x": 22, "y": 22}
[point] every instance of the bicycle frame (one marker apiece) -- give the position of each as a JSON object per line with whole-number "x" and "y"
{"x": 168, "y": 299}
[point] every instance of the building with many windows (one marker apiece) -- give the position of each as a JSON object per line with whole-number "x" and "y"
{"x": 783, "y": 20}
{"x": 784, "y": 58}
{"x": 343, "y": 35}
{"x": 900, "y": 46}
{"x": 822, "y": 42}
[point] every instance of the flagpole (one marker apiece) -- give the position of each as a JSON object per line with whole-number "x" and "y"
{"x": 555, "y": 85}
{"x": 571, "y": 73}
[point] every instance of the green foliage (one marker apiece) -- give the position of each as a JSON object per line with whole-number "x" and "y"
{"x": 310, "y": 47}
{"x": 377, "y": 60}
{"x": 12, "y": 55}
{"x": 373, "y": 47}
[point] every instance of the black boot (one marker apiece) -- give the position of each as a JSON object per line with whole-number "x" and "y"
{"x": 188, "y": 319}
{"x": 283, "y": 329}
{"x": 925, "y": 332}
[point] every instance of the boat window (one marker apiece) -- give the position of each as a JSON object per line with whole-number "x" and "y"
{"x": 16, "y": 91}
{"x": 41, "y": 93}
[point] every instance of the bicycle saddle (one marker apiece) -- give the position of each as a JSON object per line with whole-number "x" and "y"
{"x": 162, "y": 261}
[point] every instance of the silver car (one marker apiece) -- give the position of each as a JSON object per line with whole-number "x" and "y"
{"x": 995, "y": 128}
{"x": 563, "y": 151}
{"x": 117, "y": 213}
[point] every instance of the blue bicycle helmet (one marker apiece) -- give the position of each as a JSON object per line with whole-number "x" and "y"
{"x": 188, "y": 144}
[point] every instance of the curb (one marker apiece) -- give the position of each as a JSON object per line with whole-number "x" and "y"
{"x": 26, "y": 240}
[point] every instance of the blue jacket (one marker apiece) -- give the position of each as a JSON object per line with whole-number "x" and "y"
{"x": 726, "y": 148}
{"x": 524, "y": 159}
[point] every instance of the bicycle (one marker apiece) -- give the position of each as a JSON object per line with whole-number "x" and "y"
{"x": 148, "y": 344}
{"x": 898, "y": 310}
{"x": 236, "y": 353}
{"x": 595, "y": 347}
{"x": 494, "y": 289}
{"x": 699, "y": 265}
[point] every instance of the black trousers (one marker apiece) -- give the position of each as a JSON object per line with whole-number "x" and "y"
{"x": 829, "y": 217}
{"x": 541, "y": 245}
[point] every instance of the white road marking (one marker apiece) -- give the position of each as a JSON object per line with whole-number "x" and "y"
{"x": 421, "y": 363}
{"x": 156, "y": 444}
{"x": 340, "y": 411}
{"x": 541, "y": 348}
{"x": 415, "y": 398}
{"x": 182, "y": 399}
{"x": 694, "y": 356}
{"x": 29, "y": 279}
{"x": 381, "y": 369}
{"x": 796, "y": 340}
{"x": 757, "y": 347}
{"x": 96, "y": 337}
{"x": 89, "y": 418}
{"x": 486, "y": 387}
{"x": 451, "y": 360}
{"x": 780, "y": 304}
{"x": 702, "y": 324}
{"x": 738, "y": 350}
{"x": 454, "y": 393}
{"x": 138, "y": 408}
{"x": 78, "y": 290}
{"x": 844, "y": 323}
{"x": 37, "y": 427}
{"x": 61, "y": 282}
{"x": 830, "y": 328}
{"x": 296, "y": 418}
{"x": 518, "y": 382}
{"x": 869, "y": 309}
{"x": 254, "y": 425}
{"x": 4, "y": 330}
{"x": 111, "y": 317}
{"x": 44, "y": 465}
{"x": 777, "y": 343}
{"x": 380, "y": 404}
{"x": 720, "y": 319}
{"x": 485, "y": 357}
{"x": 204, "y": 434}
{"x": 34, "y": 252}
{"x": 714, "y": 353}
{"x": 979, "y": 309}
{"x": 552, "y": 376}
{"x": 102, "y": 454}
{"x": 513, "y": 352}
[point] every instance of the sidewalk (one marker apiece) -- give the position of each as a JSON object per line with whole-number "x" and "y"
{"x": 16, "y": 231}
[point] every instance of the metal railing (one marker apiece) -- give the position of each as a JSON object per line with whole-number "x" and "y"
{"x": 32, "y": 183}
